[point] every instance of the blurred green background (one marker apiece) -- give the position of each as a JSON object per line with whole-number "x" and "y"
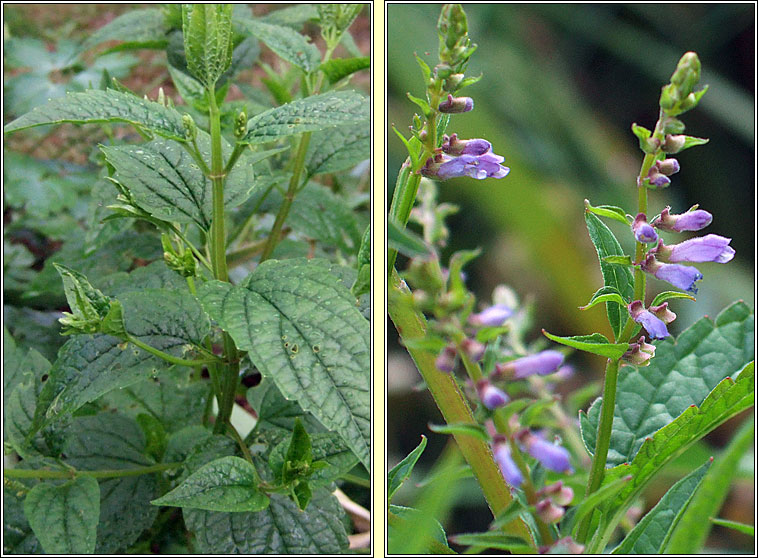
{"x": 562, "y": 85}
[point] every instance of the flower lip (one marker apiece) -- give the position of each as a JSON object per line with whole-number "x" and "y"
{"x": 643, "y": 232}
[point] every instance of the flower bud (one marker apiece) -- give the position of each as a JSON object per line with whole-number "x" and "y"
{"x": 511, "y": 473}
{"x": 446, "y": 360}
{"x": 639, "y": 353}
{"x": 652, "y": 323}
{"x": 452, "y": 145}
{"x": 668, "y": 166}
{"x": 690, "y": 221}
{"x": 656, "y": 178}
{"x": 643, "y": 232}
{"x": 673, "y": 143}
{"x": 493, "y": 316}
{"x": 491, "y": 396}
{"x": 543, "y": 363}
{"x": 453, "y": 81}
{"x": 190, "y": 128}
{"x": 560, "y": 495}
{"x": 473, "y": 349}
{"x": 663, "y": 313}
{"x": 240, "y": 125}
{"x": 549, "y": 512}
{"x": 454, "y": 105}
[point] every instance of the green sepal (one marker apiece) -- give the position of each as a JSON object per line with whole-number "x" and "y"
{"x": 596, "y": 344}
{"x": 468, "y": 81}
{"x": 643, "y": 134}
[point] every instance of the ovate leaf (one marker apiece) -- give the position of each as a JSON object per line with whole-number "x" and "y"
{"x": 229, "y": 484}
{"x": 136, "y": 28}
{"x": 64, "y": 517}
{"x": 286, "y": 43}
{"x": 311, "y": 114}
{"x": 282, "y": 528}
{"x": 651, "y": 534}
{"x": 109, "y": 105}
{"x": 302, "y": 329}
{"x": 614, "y": 276}
{"x": 339, "y": 148}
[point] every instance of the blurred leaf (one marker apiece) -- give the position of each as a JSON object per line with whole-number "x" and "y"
{"x": 400, "y": 472}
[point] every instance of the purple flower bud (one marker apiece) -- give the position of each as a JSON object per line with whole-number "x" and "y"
{"x": 681, "y": 276}
{"x": 473, "y": 349}
{"x": 543, "y": 363}
{"x": 690, "y": 221}
{"x": 508, "y": 467}
{"x": 708, "y": 248}
{"x": 493, "y": 316}
{"x": 456, "y": 104}
{"x": 564, "y": 372}
{"x": 549, "y": 512}
{"x": 643, "y": 232}
{"x": 454, "y": 146}
{"x": 555, "y": 458}
{"x": 445, "y": 361}
{"x": 654, "y": 325}
{"x": 667, "y": 166}
{"x": 658, "y": 179}
{"x": 491, "y": 396}
{"x": 663, "y": 313}
{"x": 674, "y": 143}
{"x": 639, "y": 353}
{"x": 560, "y": 495}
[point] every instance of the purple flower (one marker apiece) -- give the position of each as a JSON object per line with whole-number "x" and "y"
{"x": 560, "y": 495}
{"x": 643, "y": 232}
{"x": 493, "y": 316}
{"x": 681, "y": 276}
{"x": 639, "y": 353}
{"x": 667, "y": 166}
{"x": 445, "y": 361}
{"x": 456, "y": 104}
{"x": 543, "y": 363}
{"x": 708, "y": 248}
{"x": 549, "y": 512}
{"x": 473, "y": 349}
{"x": 454, "y": 146}
{"x": 658, "y": 179}
{"x": 555, "y": 458}
{"x": 508, "y": 467}
{"x": 690, "y": 221}
{"x": 480, "y": 167}
{"x": 491, "y": 396}
{"x": 659, "y": 173}
{"x": 652, "y": 324}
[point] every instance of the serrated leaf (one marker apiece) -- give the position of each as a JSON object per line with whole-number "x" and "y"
{"x": 229, "y": 484}
{"x": 109, "y": 105}
{"x": 275, "y": 411}
{"x": 339, "y": 68}
{"x": 301, "y": 328}
{"x": 207, "y": 31}
{"x": 596, "y": 344}
{"x": 311, "y": 114}
{"x": 339, "y": 148}
{"x": 286, "y": 43}
{"x": 614, "y": 276}
{"x": 681, "y": 374}
{"x": 282, "y": 528}
{"x": 651, "y": 534}
{"x": 136, "y": 28}
{"x": 468, "y": 429}
{"x": 400, "y": 472}
{"x": 690, "y": 534}
{"x": 64, "y": 517}
{"x": 113, "y": 441}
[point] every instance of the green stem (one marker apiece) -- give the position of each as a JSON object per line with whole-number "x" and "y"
{"x": 403, "y": 199}
{"x": 218, "y": 240}
{"x": 356, "y": 480}
{"x": 241, "y": 443}
{"x": 102, "y": 474}
{"x": 411, "y": 325}
{"x": 170, "y": 358}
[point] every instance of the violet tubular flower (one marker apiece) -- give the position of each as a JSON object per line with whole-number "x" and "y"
{"x": 508, "y": 467}
{"x": 479, "y": 167}
{"x": 492, "y": 316}
{"x": 452, "y": 145}
{"x": 708, "y": 248}
{"x": 652, "y": 323}
{"x": 550, "y": 456}
{"x": 491, "y": 397}
{"x": 542, "y": 363}
{"x": 445, "y": 361}
{"x": 453, "y": 105}
{"x": 681, "y": 276}
{"x": 690, "y": 221}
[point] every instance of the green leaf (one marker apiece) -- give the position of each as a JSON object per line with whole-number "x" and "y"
{"x": 229, "y": 484}
{"x": 691, "y": 533}
{"x": 681, "y": 374}
{"x": 614, "y": 276}
{"x": 610, "y": 211}
{"x": 737, "y": 526}
{"x": 400, "y": 472}
{"x": 692, "y": 141}
{"x": 113, "y": 441}
{"x": 340, "y": 68}
{"x": 282, "y": 528}
{"x": 493, "y": 540}
{"x": 207, "y": 30}
{"x": 668, "y": 295}
{"x": 326, "y": 447}
{"x": 136, "y": 28}
{"x": 338, "y": 149}
{"x": 18, "y": 537}
{"x": 625, "y": 260}
{"x": 301, "y": 328}
{"x": 311, "y": 114}
{"x": 64, "y": 517}
{"x": 605, "y": 294}
{"x": 275, "y": 411}
{"x": 293, "y": 16}
{"x": 95, "y": 105}
{"x": 651, "y": 534}
{"x": 726, "y": 400}
{"x": 596, "y": 344}
{"x": 435, "y": 534}
{"x": 404, "y": 241}
{"x": 155, "y": 435}
{"x": 286, "y": 43}
{"x": 475, "y": 430}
